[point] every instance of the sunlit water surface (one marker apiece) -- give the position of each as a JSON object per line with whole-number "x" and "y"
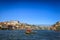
{"x": 37, "y": 35}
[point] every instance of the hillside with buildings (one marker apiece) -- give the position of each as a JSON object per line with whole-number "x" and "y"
{"x": 16, "y": 25}
{"x": 56, "y": 26}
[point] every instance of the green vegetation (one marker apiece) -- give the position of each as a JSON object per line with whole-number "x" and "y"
{"x": 58, "y": 28}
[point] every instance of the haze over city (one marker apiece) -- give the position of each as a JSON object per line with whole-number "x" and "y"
{"x": 31, "y": 12}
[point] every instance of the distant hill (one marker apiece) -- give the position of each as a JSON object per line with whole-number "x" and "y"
{"x": 16, "y": 25}
{"x": 56, "y": 26}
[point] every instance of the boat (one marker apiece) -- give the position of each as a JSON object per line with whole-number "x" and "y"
{"x": 29, "y": 31}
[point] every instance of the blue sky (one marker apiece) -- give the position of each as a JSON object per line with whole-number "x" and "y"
{"x": 31, "y": 12}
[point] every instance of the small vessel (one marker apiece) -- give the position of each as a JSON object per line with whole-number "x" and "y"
{"x": 28, "y": 31}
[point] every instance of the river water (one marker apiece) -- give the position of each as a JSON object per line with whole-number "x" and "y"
{"x": 37, "y": 35}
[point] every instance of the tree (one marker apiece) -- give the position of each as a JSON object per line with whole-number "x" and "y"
{"x": 58, "y": 28}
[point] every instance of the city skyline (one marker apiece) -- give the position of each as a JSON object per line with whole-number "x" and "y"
{"x": 31, "y": 12}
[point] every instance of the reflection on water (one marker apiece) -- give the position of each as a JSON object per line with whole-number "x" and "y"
{"x": 20, "y": 35}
